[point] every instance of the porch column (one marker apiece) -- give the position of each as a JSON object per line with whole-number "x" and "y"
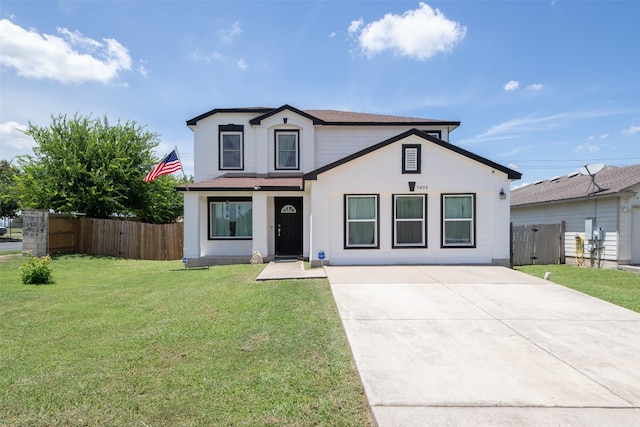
{"x": 191, "y": 246}
{"x": 260, "y": 225}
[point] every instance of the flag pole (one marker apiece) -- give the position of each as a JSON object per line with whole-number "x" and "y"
{"x": 184, "y": 175}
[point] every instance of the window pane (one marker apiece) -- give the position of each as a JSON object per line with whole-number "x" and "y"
{"x": 457, "y": 207}
{"x": 457, "y": 232}
{"x": 231, "y": 155}
{"x": 361, "y": 208}
{"x": 287, "y": 159}
{"x": 409, "y": 232}
{"x": 287, "y": 142}
{"x": 287, "y": 151}
{"x": 362, "y": 233}
{"x": 231, "y": 142}
{"x": 409, "y": 207}
{"x": 231, "y": 219}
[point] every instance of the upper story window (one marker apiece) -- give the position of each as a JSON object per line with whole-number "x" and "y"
{"x": 411, "y": 158}
{"x": 287, "y": 149}
{"x": 231, "y": 147}
{"x": 434, "y": 133}
{"x": 458, "y": 220}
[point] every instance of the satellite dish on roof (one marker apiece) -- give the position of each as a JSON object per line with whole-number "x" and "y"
{"x": 592, "y": 169}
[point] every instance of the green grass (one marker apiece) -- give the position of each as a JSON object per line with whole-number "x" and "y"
{"x": 118, "y": 342}
{"x": 616, "y": 286}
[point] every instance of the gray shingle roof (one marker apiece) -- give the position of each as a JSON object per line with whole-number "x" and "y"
{"x": 611, "y": 179}
{"x": 330, "y": 117}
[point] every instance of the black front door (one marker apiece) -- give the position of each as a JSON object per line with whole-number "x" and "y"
{"x": 288, "y": 226}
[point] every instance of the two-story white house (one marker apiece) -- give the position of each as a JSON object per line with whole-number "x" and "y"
{"x": 341, "y": 188}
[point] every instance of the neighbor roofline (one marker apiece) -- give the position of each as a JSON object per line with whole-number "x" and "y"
{"x": 511, "y": 174}
{"x": 590, "y": 196}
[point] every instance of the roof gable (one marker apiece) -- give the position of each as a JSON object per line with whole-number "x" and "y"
{"x": 612, "y": 180}
{"x": 257, "y": 120}
{"x": 511, "y": 174}
{"x": 257, "y": 110}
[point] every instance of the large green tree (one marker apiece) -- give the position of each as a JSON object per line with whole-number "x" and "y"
{"x": 8, "y": 194}
{"x": 90, "y": 166}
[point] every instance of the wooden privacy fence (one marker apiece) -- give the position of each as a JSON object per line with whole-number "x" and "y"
{"x": 110, "y": 237}
{"x": 538, "y": 244}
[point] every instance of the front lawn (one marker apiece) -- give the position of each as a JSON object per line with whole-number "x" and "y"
{"x": 118, "y": 342}
{"x": 616, "y": 286}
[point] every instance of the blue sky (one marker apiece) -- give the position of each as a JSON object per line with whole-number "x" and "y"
{"x": 540, "y": 86}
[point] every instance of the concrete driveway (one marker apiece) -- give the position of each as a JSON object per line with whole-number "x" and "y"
{"x": 487, "y": 346}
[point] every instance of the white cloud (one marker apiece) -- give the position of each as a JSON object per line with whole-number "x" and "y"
{"x": 12, "y": 136}
{"x": 604, "y": 136}
{"x": 242, "y": 64}
{"x": 587, "y": 147}
{"x": 535, "y": 124}
{"x": 69, "y": 57}
{"x": 520, "y": 185}
{"x": 511, "y": 85}
{"x": 535, "y": 86}
{"x": 333, "y": 34}
{"x": 632, "y": 129}
{"x": 355, "y": 26}
{"x": 419, "y": 34}
{"x": 230, "y": 33}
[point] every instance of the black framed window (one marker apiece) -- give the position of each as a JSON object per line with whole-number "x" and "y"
{"x": 362, "y": 226}
{"x": 287, "y": 149}
{"x": 458, "y": 220}
{"x": 230, "y": 218}
{"x": 231, "y": 147}
{"x": 411, "y": 154}
{"x": 410, "y": 221}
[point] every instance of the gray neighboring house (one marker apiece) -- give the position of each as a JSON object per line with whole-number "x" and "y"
{"x": 602, "y": 212}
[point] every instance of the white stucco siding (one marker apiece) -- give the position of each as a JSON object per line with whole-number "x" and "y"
{"x": 265, "y": 142}
{"x": 205, "y": 144}
{"x": 221, "y": 247}
{"x": 574, "y": 214}
{"x": 191, "y": 242}
{"x": 336, "y": 142}
{"x": 380, "y": 173}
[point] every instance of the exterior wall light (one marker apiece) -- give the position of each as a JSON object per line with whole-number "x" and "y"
{"x": 502, "y": 194}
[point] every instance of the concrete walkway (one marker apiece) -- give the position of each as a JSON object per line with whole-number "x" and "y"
{"x": 487, "y": 346}
{"x": 279, "y": 270}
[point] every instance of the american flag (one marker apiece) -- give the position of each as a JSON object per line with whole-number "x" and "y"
{"x": 170, "y": 164}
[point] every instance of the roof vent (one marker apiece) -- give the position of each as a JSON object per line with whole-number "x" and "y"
{"x": 572, "y": 174}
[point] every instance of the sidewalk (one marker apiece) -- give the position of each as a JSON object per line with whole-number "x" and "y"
{"x": 279, "y": 270}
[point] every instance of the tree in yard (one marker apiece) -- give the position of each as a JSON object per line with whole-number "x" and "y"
{"x": 89, "y": 166}
{"x": 8, "y": 195}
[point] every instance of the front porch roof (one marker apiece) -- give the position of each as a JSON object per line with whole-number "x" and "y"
{"x": 247, "y": 182}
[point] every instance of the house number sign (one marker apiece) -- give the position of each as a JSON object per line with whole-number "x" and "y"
{"x": 414, "y": 186}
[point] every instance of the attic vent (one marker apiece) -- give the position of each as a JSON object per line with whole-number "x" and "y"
{"x": 538, "y": 182}
{"x": 411, "y": 159}
{"x": 572, "y": 174}
{"x": 555, "y": 178}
